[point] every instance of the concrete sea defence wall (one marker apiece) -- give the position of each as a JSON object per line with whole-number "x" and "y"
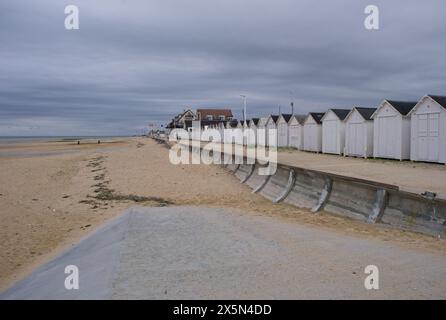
{"x": 364, "y": 200}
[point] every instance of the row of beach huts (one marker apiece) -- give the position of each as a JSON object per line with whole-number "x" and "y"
{"x": 395, "y": 130}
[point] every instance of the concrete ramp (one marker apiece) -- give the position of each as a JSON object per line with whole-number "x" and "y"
{"x": 98, "y": 253}
{"x": 210, "y": 253}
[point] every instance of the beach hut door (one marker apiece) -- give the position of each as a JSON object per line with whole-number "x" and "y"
{"x": 356, "y": 146}
{"x": 386, "y": 137}
{"x": 331, "y": 135}
{"x": 427, "y": 135}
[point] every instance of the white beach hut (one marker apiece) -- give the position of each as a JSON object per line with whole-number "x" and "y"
{"x": 225, "y": 138}
{"x": 296, "y": 131}
{"x": 282, "y": 130}
{"x": 253, "y": 126}
{"x": 333, "y": 131}
{"x": 391, "y": 130}
{"x": 271, "y": 124}
{"x": 232, "y": 124}
{"x": 359, "y": 132}
{"x": 240, "y": 128}
{"x": 428, "y": 130}
{"x": 245, "y": 132}
{"x": 313, "y": 132}
{"x": 261, "y": 132}
{"x": 221, "y": 130}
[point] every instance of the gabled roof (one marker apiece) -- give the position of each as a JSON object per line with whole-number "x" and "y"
{"x": 317, "y": 116}
{"x": 274, "y": 117}
{"x": 366, "y": 113}
{"x": 180, "y": 115}
{"x": 340, "y": 113}
{"x": 214, "y": 112}
{"x": 233, "y": 123}
{"x": 255, "y": 120}
{"x": 441, "y": 100}
{"x": 286, "y": 117}
{"x": 299, "y": 117}
{"x": 263, "y": 120}
{"x": 402, "y": 107}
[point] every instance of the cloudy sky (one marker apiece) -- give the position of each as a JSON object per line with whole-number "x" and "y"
{"x": 138, "y": 61}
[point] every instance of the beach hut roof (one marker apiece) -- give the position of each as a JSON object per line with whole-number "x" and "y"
{"x": 274, "y": 117}
{"x": 255, "y": 120}
{"x": 341, "y": 113}
{"x": 441, "y": 100}
{"x": 402, "y": 107}
{"x": 286, "y": 116}
{"x": 317, "y": 116}
{"x": 233, "y": 123}
{"x": 366, "y": 113}
{"x": 299, "y": 117}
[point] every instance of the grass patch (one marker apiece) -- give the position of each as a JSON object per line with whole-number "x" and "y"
{"x": 103, "y": 193}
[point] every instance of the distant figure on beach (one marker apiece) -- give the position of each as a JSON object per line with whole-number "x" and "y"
{"x": 99, "y": 141}
{"x": 78, "y": 142}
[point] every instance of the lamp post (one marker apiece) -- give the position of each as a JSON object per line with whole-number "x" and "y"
{"x": 292, "y": 102}
{"x": 244, "y": 106}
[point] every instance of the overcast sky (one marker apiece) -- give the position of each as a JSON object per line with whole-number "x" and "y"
{"x": 136, "y": 61}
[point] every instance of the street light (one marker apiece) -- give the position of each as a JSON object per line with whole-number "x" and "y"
{"x": 292, "y": 102}
{"x": 244, "y": 107}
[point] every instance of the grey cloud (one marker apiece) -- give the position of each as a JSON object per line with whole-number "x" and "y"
{"x": 137, "y": 61}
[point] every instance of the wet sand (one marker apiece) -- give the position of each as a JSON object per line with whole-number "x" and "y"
{"x": 52, "y": 198}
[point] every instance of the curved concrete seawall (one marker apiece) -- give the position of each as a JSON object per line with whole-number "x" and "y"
{"x": 360, "y": 199}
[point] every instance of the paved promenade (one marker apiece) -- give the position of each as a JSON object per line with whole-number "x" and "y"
{"x": 209, "y": 253}
{"x": 415, "y": 177}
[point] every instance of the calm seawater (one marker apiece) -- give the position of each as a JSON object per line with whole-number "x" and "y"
{"x": 16, "y": 139}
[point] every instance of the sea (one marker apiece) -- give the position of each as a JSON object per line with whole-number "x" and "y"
{"x": 16, "y": 139}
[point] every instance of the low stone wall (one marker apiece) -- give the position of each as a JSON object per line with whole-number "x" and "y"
{"x": 360, "y": 199}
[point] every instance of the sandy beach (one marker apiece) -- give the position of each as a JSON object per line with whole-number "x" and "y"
{"x": 54, "y": 193}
